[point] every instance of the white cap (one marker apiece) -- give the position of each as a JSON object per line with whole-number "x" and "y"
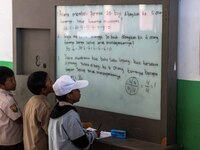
{"x": 65, "y": 84}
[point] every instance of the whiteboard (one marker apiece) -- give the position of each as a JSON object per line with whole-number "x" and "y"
{"x": 118, "y": 49}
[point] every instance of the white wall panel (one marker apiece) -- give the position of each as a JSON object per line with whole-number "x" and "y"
{"x": 6, "y": 44}
{"x": 188, "y": 40}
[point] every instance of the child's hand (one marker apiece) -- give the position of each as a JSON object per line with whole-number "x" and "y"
{"x": 86, "y": 125}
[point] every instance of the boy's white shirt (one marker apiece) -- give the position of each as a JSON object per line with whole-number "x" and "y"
{"x": 10, "y": 131}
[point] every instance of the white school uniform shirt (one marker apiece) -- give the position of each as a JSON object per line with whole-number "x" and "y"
{"x": 10, "y": 131}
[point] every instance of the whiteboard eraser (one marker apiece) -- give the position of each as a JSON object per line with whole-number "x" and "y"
{"x": 118, "y": 133}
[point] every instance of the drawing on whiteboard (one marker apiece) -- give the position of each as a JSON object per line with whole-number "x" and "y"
{"x": 132, "y": 86}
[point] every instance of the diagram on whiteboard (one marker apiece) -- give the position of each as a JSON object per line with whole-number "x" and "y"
{"x": 132, "y": 86}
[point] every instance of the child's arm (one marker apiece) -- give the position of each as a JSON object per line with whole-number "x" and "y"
{"x": 77, "y": 134}
{"x": 13, "y": 111}
{"x": 19, "y": 120}
{"x": 86, "y": 124}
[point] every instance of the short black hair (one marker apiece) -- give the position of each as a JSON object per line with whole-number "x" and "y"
{"x": 37, "y": 81}
{"x": 5, "y": 73}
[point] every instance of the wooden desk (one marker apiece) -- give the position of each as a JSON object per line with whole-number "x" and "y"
{"x": 129, "y": 144}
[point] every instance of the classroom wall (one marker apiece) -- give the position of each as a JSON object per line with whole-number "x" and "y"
{"x": 188, "y": 112}
{"x": 188, "y": 85}
{"x": 6, "y": 43}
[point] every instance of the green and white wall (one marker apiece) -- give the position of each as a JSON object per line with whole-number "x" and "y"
{"x": 188, "y": 87}
{"x": 188, "y": 65}
{"x": 6, "y": 44}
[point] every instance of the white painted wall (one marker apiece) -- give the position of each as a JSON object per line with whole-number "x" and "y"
{"x": 188, "y": 40}
{"x": 6, "y": 44}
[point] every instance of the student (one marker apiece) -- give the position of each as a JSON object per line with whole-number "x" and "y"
{"x": 65, "y": 127}
{"x": 37, "y": 111}
{"x": 10, "y": 114}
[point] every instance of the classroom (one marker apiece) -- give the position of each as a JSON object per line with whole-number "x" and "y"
{"x": 141, "y": 58}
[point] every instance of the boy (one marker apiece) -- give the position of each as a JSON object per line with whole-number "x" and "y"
{"x": 65, "y": 128}
{"x": 10, "y": 114}
{"x": 36, "y": 112}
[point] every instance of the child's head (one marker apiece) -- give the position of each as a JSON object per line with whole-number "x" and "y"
{"x": 67, "y": 89}
{"x": 39, "y": 83}
{"x": 7, "y": 79}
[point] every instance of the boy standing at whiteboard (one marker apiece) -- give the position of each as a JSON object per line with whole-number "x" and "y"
{"x": 65, "y": 128}
{"x": 10, "y": 114}
{"x": 37, "y": 111}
